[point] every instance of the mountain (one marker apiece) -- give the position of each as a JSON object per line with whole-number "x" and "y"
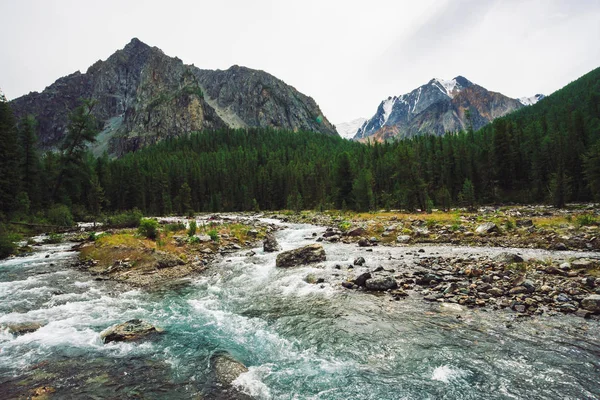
{"x": 529, "y": 101}
{"x": 348, "y": 130}
{"x": 438, "y": 107}
{"x": 144, "y": 96}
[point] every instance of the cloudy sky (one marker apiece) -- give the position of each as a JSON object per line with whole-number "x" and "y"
{"x": 348, "y": 55}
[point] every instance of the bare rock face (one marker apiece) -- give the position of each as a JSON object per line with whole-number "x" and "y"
{"x": 305, "y": 255}
{"x": 132, "y": 330}
{"x": 144, "y": 96}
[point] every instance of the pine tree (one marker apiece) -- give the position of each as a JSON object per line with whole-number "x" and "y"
{"x": 30, "y": 162}
{"x": 9, "y": 171}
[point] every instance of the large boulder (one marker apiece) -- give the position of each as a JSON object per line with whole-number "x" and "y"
{"x": 591, "y": 303}
{"x": 356, "y": 232}
{"x": 166, "y": 260}
{"x": 134, "y": 329}
{"x": 487, "y": 228}
{"x": 381, "y": 283}
{"x": 226, "y": 369}
{"x": 270, "y": 244}
{"x": 508, "y": 258}
{"x": 304, "y": 255}
{"x": 23, "y": 327}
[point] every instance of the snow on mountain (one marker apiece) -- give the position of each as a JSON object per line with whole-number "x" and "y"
{"x": 347, "y": 130}
{"x": 529, "y": 101}
{"x": 447, "y": 87}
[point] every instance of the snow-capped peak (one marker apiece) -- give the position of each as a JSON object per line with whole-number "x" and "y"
{"x": 447, "y": 87}
{"x": 529, "y": 101}
{"x": 348, "y": 130}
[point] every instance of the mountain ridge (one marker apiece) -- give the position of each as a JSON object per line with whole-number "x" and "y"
{"x": 144, "y": 96}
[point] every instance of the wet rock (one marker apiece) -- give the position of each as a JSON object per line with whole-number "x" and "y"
{"x": 529, "y": 285}
{"x": 250, "y": 253}
{"x": 562, "y": 298}
{"x": 565, "y": 266}
{"x": 381, "y": 284}
{"x": 362, "y": 279}
{"x": 560, "y": 247}
{"x": 364, "y": 243}
{"x": 508, "y": 258}
{"x": 591, "y": 303}
{"x": 583, "y": 313}
{"x": 421, "y": 232}
{"x": 23, "y": 327}
{"x": 333, "y": 239}
{"x": 226, "y": 369}
{"x": 518, "y": 290}
{"x": 487, "y": 228}
{"x": 252, "y": 233}
{"x": 403, "y": 239}
{"x": 348, "y": 285}
{"x": 305, "y": 255}
{"x": 134, "y": 329}
{"x": 359, "y": 261}
{"x": 270, "y": 244}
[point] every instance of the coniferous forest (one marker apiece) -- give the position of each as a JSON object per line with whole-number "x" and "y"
{"x": 548, "y": 152}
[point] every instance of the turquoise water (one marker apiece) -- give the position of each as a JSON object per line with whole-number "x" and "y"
{"x": 299, "y": 340}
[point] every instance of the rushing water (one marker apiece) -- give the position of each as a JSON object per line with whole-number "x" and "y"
{"x": 299, "y": 340}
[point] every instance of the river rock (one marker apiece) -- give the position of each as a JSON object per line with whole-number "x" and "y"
{"x": 583, "y": 263}
{"x": 305, "y": 255}
{"x": 23, "y": 327}
{"x": 487, "y": 228}
{"x": 203, "y": 238}
{"x": 166, "y": 260}
{"x": 132, "y": 330}
{"x": 421, "y": 232}
{"x": 270, "y": 244}
{"x": 364, "y": 242}
{"x": 403, "y": 239}
{"x": 362, "y": 279}
{"x": 359, "y": 261}
{"x": 591, "y": 303}
{"x": 508, "y": 258}
{"x": 226, "y": 369}
{"x": 381, "y": 284}
{"x": 524, "y": 223}
{"x": 356, "y": 232}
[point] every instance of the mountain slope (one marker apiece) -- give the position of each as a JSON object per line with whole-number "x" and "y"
{"x": 437, "y": 107}
{"x": 144, "y": 96}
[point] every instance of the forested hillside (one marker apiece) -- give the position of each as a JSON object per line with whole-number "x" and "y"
{"x": 548, "y": 152}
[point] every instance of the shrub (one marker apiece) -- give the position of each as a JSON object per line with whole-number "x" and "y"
{"x": 55, "y": 238}
{"x": 214, "y": 235}
{"x": 176, "y": 227}
{"x": 148, "y": 228}
{"x": 585, "y": 220}
{"x": 344, "y": 226}
{"x": 60, "y": 215}
{"x": 127, "y": 219}
{"x": 193, "y": 240}
{"x": 193, "y": 227}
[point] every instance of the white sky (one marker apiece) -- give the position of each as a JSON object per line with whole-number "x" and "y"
{"x": 348, "y": 55}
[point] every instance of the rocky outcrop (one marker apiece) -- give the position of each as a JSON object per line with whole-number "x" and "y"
{"x": 144, "y": 96}
{"x": 132, "y": 330}
{"x": 305, "y": 255}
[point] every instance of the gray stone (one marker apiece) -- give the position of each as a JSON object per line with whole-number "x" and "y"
{"x": 270, "y": 244}
{"x": 508, "y": 258}
{"x": 226, "y": 369}
{"x": 591, "y": 303}
{"x": 134, "y": 329}
{"x": 403, "y": 239}
{"x": 381, "y": 283}
{"x": 305, "y": 255}
{"x": 359, "y": 261}
{"x": 362, "y": 279}
{"x": 487, "y": 228}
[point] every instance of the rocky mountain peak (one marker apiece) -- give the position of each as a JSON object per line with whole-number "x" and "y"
{"x": 144, "y": 96}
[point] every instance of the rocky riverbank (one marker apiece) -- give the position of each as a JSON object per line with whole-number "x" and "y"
{"x": 124, "y": 256}
{"x": 541, "y": 227}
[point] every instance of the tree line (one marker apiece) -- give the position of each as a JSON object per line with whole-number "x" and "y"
{"x": 548, "y": 152}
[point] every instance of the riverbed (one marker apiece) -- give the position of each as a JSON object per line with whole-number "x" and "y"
{"x": 299, "y": 340}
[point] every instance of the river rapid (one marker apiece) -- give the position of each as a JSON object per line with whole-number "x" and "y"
{"x": 299, "y": 340}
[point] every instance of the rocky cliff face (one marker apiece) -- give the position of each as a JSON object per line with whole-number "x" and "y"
{"x": 436, "y": 108}
{"x": 144, "y": 96}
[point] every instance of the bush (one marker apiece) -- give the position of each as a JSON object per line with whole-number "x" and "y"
{"x": 54, "y": 238}
{"x": 585, "y": 220}
{"x": 60, "y": 215}
{"x": 127, "y": 219}
{"x": 193, "y": 227}
{"x": 176, "y": 227}
{"x": 7, "y": 245}
{"x": 148, "y": 228}
{"x": 214, "y": 235}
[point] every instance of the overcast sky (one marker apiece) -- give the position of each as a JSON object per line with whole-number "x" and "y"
{"x": 348, "y": 55}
